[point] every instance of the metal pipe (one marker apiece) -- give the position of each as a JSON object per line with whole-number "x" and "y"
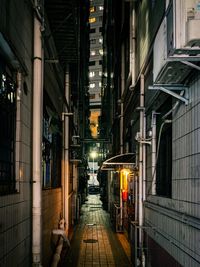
{"x": 141, "y": 159}
{"x": 144, "y": 158}
{"x": 153, "y": 153}
{"x": 37, "y": 144}
{"x": 66, "y": 154}
{"x": 133, "y": 46}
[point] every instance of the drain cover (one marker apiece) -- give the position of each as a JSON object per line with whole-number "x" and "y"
{"x": 90, "y": 240}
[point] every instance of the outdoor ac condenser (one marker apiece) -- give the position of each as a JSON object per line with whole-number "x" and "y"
{"x": 177, "y": 39}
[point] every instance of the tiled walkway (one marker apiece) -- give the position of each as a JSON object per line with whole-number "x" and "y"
{"x": 94, "y": 243}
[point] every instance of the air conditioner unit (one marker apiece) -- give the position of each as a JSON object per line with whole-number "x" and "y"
{"x": 177, "y": 40}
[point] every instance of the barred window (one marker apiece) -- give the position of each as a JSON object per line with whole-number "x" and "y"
{"x": 51, "y": 149}
{"x": 8, "y": 131}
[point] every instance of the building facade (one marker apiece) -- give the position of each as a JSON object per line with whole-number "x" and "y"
{"x": 152, "y": 61}
{"x": 95, "y": 63}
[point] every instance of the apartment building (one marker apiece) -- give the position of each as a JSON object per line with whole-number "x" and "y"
{"x": 152, "y": 54}
{"x": 95, "y": 63}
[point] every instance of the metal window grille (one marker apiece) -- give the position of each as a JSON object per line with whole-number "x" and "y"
{"x": 7, "y": 134}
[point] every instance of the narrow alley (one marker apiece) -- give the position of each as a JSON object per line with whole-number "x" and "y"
{"x": 94, "y": 242}
{"x": 100, "y": 133}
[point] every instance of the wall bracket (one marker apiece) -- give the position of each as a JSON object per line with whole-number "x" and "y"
{"x": 169, "y": 89}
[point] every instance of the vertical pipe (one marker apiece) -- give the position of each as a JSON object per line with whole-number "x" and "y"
{"x": 141, "y": 159}
{"x": 136, "y": 198}
{"x": 66, "y": 154}
{"x": 37, "y": 145}
{"x": 153, "y": 152}
{"x": 144, "y": 159}
{"x": 121, "y": 127}
{"x": 133, "y": 46}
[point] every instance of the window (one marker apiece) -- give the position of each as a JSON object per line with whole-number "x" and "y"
{"x": 92, "y": 85}
{"x": 8, "y": 131}
{"x": 91, "y": 63}
{"x": 100, "y": 8}
{"x": 92, "y": 9}
{"x": 101, "y": 52}
{"x": 92, "y": 96}
{"x": 101, "y": 40}
{"x": 51, "y": 149}
{"x": 100, "y": 73}
{"x": 100, "y": 29}
{"x": 92, "y": 52}
{"x": 92, "y": 20}
{"x": 93, "y": 30}
{"x": 99, "y": 84}
{"x": 92, "y": 41}
{"x": 164, "y": 163}
{"x": 100, "y": 62}
{"x": 91, "y": 74}
{"x": 100, "y": 18}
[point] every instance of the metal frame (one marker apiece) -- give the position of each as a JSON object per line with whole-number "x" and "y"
{"x": 169, "y": 90}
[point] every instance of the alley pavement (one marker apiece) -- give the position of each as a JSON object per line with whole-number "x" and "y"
{"x": 94, "y": 242}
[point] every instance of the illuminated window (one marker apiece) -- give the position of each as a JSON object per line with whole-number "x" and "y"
{"x": 100, "y": 8}
{"x": 92, "y": 9}
{"x": 99, "y": 84}
{"x": 91, "y": 74}
{"x": 92, "y": 85}
{"x": 101, "y": 40}
{"x": 101, "y": 52}
{"x": 92, "y": 52}
{"x": 100, "y": 73}
{"x": 92, "y": 20}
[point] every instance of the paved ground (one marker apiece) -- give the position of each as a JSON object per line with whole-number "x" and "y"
{"x": 94, "y": 243}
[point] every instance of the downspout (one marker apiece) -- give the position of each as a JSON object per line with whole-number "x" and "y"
{"x": 66, "y": 153}
{"x": 37, "y": 143}
{"x": 121, "y": 132}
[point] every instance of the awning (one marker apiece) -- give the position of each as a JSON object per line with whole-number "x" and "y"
{"x": 127, "y": 160}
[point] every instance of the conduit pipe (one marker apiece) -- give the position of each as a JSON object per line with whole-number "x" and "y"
{"x": 37, "y": 143}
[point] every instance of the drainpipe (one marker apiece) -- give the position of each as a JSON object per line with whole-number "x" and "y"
{"x": 121, "y": 131}
{"x": 140, "y": 186}
{"x": 153, "y": 152}
{"x": 66, "y": 153}
{"x": 37, "y": 144}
